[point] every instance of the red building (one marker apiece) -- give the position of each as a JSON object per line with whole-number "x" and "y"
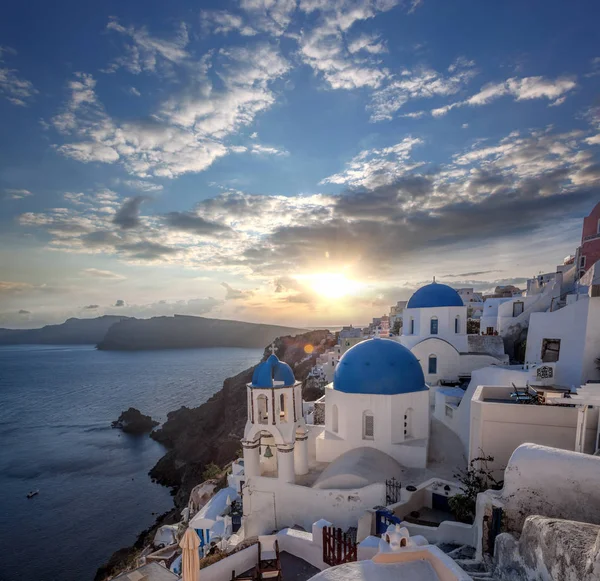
{"x": 589, "y": 251}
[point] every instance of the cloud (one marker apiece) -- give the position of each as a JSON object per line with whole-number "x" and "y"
{"x": 373, "y": 167}
{"x": 133, "y": 91}
{"x": 13, "y": 288}
{"x": 190, "y": 222}
{"x": 343, "y": 60}
{"x": 119, "y": 303}
{"x": 147, "y": 250}
{"x": 107, "y": 274}
{"x": 234, "y": 294}
{"x": 128, "y": 215}
{"x": 147, "y": 53}
{"x": 546, "y": 176}
{"x": 266, "y": 16}
{"x": 521, "y": 89}
{"x": 186, "y": 132}
{"x": 143, "y": 185}
{"x": 17, "y": 194}
{"x": 93, "y": 307}
{"x": 13, "y": 88}
{"x": 421, "y": 83}
{"x": 393, "y": 207}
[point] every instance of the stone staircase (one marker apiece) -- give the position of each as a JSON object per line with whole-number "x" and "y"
{"x": 464, "y": 557}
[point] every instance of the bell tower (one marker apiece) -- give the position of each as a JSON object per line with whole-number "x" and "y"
{"x": 275, "y": 438}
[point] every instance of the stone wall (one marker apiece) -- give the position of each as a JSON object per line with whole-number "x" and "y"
{"x": 549, "y": 550}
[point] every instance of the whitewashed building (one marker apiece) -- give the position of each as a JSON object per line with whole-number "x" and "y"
{"x": 376, "y": 422}
{"x": 435, "y": 330}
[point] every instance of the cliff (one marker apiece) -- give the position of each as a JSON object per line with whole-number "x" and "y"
{"x": 180, "y": 332}
{"x": 71, "y": 332}
{"x": 212, "y": 431}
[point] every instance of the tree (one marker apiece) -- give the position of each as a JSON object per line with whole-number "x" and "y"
{"x": 211, "y": 471}
{"x": 475, "y": 479}
{"x": 473, "y": 326}
{"x": 397, "y": 326}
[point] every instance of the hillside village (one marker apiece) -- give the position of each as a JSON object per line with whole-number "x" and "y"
{"x": 457, "y": 438}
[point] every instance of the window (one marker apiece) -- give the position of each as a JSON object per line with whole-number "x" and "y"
{"x": 282, "y": 410}
{"x": 550, "y": 350}
{"x": 598, "y": 228}
{"x": 489, "y": 331}
{"x": 334, "y": 419}
{"x": 518, "y": 308}
{"x": 368, "y": 426}
{"x": 408, "y": 423}
{"x": 433, "y": 327}
{"x": 457, "y": 325}
{"x": 263, "y": 409}
{"x": 412, "y": 326}
{"x": 432, "y": 368}
{"x": 582, "y": 262}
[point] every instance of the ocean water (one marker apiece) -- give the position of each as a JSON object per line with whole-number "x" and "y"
{"x": 56, "y": 406}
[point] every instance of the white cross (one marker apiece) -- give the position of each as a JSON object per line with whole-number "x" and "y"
{"x": 273, "y": 348}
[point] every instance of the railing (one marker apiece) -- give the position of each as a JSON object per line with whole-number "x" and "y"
{"x": 591, "y": 237}
{"x": 392, "y": 491}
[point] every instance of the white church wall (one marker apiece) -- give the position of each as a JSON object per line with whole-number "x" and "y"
{"x": 448, "y": 360}
{"x": 497, "y": 429}
{"x": 446, "y": 330}
{"x": 300, "y": 505}
{"x": 388, "y": 423}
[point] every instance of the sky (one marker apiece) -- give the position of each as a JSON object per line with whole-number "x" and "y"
{"x": 302, "y": 162}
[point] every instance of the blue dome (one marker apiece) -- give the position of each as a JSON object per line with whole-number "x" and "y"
{"x": 272, "y": 370}
{"x": 379, "y": 367}
{"x": 434, "y": 295}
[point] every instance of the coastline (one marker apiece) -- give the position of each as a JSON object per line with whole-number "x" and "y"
{"x": 209, "y": 433}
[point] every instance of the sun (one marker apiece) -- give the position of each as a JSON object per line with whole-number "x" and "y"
{"x": 332, "y": 285}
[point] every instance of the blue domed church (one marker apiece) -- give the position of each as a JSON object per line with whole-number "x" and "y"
{"x": 378, "y": 399}
{"x": 435, "y": 331}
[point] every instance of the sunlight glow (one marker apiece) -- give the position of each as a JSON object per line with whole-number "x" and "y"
{"x": 332, "y": 285}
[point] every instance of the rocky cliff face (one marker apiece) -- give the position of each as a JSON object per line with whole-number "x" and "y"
{"x": 212, "y": 431}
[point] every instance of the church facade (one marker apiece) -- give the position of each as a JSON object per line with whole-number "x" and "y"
{"x": 435, "y": 331}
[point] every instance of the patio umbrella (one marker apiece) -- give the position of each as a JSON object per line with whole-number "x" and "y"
{"x": 190, "y": 560}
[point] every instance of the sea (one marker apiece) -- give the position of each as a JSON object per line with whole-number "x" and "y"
{"x": 95, "y": 495}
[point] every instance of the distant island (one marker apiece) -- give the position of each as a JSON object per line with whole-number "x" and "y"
{"x": 182, "y": 332}
{"x": 71, "y": 332}
{"x": 111, "y": 332}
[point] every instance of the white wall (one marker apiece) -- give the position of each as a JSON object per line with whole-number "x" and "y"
{"x": 445, "y": 316}
{"x": 388, "y": 412}
{"x": 460, "y": 421}
{"x": 553, "y": 483}
{"x": 489, "y": 317}
{"x": 497, "y": 429}
{"x": 578, "y": 327}
{"x": 448, "y": 360}
{"x": 270, "y": 505}
{"x": 238, "y": 562}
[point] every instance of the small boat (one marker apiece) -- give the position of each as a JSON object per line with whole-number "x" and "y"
{"x": 32, "y": 493}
